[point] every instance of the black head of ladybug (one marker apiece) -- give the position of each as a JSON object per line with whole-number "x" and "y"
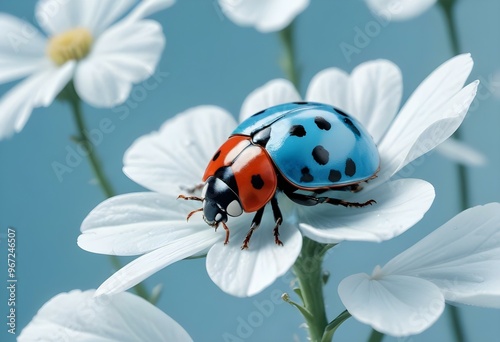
{"x": 219, "y": 202}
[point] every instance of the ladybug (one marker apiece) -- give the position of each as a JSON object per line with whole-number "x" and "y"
{"x": 301, "y": 149}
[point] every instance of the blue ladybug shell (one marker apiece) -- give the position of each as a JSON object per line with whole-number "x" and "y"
{"x": 314, "y": 145}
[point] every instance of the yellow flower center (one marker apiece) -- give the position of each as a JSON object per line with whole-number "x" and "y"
{"x": 71, "y": 45}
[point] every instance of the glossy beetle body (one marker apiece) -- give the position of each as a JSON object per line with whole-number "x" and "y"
{"x": 296, "y": 146}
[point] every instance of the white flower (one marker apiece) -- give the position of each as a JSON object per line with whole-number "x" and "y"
{"x": 264, "y": 15}
{"x": 85, "y": 43}
{"x": 399, "y": 9}
{"x": 80, "y": 316}
{"x": 457, "y": 263}
{"x": 172, "y": 160}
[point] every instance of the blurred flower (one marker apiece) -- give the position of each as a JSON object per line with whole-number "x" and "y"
{"x": 172, "y": 160}
{"x": 103, "y": 58}
{"x": 461, "y": 153}
{"x": 79, "y": 316}
{"x": 399, "y": 9}
{"x": 264, "y": 15}
{"x": 457, "y": 263}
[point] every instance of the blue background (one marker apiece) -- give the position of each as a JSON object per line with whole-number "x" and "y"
{"x": 210, "y": 60}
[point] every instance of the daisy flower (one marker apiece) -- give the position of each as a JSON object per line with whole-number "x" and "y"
{"x": 172, "y": 161}
{"x": 457, "y": 263}
{"x": 104, "y": 46}
{"x": 399, "y": 9}
{"x": 264, "y": 15}
{"x": 80, "y": 316}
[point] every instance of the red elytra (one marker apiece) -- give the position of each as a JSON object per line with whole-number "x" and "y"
{"x": 253, "y": 170}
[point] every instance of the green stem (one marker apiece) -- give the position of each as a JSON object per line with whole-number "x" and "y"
{"x": 448, "y": 7}
{"x": 288, "y": 63}
{"x": 456, "y": 322}
{"x": 448, "y": 10}
{"x": 105, "y": 185}
{"x": 309, "y": 273}
{"x": 69, "y": 95}
{"x": 376, "y": 336}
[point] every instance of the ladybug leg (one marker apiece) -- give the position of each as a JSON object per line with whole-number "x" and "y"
{"x": 278, "y": 219}
{"x": 226, "y": 241}
{"x": 308, "y": 200}
{"x": 255, "y": 224}
{"x": 190, "y": 198}
{"x": 336, "y": 201}
{"x": 191, "y": 213}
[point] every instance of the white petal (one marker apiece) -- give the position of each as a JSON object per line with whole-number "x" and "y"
{"x": 38, "y": 90}
{"x": 264, "y": 15}
{"x": 330, "y": 86}
{"x": 125, "y": 54}
{"x": 272, "y": 93}
{"x": 22, "y": 48}
{"x": 148, "y": 7}
{"x": 174, "y": 158}
{"x": 244, "y": 273}
{"x": 79, "y": 316}
{"x": 399, "y": 9}
{"x": 56, "y": 16}
{"x": 395, "y": 305}
{"x": 441, "y": 85}
{"x": 400, "y": 204}
{"x": 431, "y": 115}
{"x": 54, "y": 84}
{"x": 461, "y": 153}
{"x": 17, "y": 104}
{"x": 150, "y": 263}
{"x": 462, "y": 257}
{"x": 372, "y": 93}
{"x": 138, "y": 223}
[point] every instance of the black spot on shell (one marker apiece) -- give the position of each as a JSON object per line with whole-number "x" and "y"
{"x": 298, "y": 131}
{"x": 301, "y": 102}
{"x": 322, "y": 123}
{"x": 257, "y": 182}
{"x": 350, "y": 167}
{"x": 216, "y": 155}
{"x": 334, "y": 176}
{"x": 306, "y": 175}
{"x": 351, "y": 126}
{"x": 320, "y": 155}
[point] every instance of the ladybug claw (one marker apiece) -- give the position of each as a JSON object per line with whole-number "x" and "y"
{"x": 370, "y": 202}
{"x": 249, "y": 235}
{"x": 276, "y": 232}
